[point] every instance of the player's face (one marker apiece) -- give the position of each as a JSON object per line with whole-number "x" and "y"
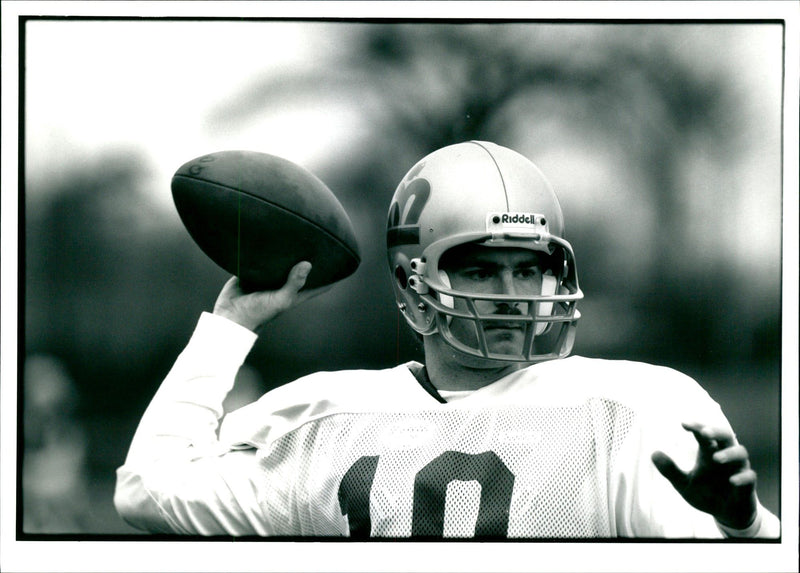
{"x": 478, "y": 269}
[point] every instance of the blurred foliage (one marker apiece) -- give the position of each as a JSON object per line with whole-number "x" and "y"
{"x": 421, "y": 87}
{"x": 113, "y": 286}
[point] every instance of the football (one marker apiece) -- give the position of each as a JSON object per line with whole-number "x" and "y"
{"x": 257, "y": 215}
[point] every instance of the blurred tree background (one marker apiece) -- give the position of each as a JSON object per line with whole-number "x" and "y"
{"x": 663, "y": 142}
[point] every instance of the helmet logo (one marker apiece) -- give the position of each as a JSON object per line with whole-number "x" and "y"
{"x": 404, "y": 212}
{"x": 516, "y": 223}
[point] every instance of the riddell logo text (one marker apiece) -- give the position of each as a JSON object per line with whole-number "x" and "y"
{"x": 518, "y": 218}
{"x": 496, "y": 222}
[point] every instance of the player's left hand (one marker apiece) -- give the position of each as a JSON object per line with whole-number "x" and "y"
{"x": 721, "y": 483}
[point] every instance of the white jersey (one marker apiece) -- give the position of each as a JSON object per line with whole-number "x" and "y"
{"x": 560, "y": 449}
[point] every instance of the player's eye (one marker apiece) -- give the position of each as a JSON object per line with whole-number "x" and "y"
{"x": 527, "y": 273}
{"x": 477, "y": 274}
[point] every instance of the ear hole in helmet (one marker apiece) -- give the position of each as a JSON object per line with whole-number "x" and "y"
{"x": 401, "y": 277}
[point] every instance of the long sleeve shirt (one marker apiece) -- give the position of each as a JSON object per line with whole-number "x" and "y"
{"x": 560, "y": 449}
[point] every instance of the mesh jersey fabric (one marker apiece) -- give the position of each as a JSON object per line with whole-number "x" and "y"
{"x": 557, "y": 450}
{"x": 560, "y": 449}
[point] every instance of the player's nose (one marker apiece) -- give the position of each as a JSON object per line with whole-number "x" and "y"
{"x": 507, "y": 283}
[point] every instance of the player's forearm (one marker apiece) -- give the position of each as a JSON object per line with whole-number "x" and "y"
{"x": 181, "y": 421}
{"x": 185, "y": 411}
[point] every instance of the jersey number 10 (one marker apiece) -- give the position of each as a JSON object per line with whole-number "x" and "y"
{"x": 430, "y": 490}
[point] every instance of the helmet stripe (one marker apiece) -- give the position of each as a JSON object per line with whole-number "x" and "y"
{"x": 499, "y": 172}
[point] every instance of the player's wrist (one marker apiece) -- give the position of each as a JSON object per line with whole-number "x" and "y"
{"x": 233, "y": 310}
{"x": 234, "y": 307}
{"x": 244, "y": 320}
{"x": 749, "y": 530}
{"x": 740, "y": 516}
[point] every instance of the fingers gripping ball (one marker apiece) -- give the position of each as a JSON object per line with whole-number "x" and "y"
{"x": 257, "y": 215}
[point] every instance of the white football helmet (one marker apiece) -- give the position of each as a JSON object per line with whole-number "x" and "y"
{"x": 480, "y": 192}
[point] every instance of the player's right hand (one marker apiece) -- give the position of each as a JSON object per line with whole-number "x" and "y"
{"x": 255, "y": 309}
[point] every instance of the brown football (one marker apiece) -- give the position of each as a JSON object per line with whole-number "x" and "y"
{"x": 257, "y": 215}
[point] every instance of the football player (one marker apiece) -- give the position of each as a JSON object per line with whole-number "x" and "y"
{"x": 498, "y": 435}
